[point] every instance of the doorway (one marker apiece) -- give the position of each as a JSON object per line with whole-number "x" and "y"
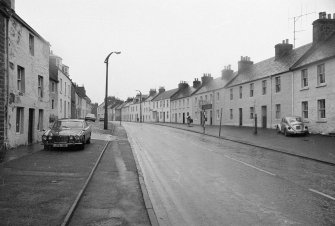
{"x": 211, "y": 117}
{"x": 240, "y": 117}
{"x": 264, "y": 117}
{"x": 31, "y": 125}
{"x": 183, "y": 118}
{"x": 163, "y": 116}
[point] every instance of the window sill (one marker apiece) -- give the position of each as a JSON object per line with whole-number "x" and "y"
{"x": 321, "y": 85}
{"x": 321, "y": 121}
{"x": 304, "y": 88}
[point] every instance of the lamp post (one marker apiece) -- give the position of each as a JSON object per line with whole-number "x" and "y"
{"x": 140, "y": 105}
{"x": 106, "y": 94}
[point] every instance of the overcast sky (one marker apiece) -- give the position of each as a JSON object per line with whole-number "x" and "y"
{"x": 164, "y": 42}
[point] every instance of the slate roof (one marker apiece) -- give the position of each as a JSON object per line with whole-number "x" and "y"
{"x": 165, "y": 95}
{"x": 182, "y": 93}
{"x": 321, "y": 51}
{"x": 81, "y": 91}
{"x": 270, "y": 66}
{"x": 214, "y": 84}
{"x": 121, "y": 105}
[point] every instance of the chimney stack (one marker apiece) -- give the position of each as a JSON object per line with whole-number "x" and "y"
{"x": 282, "y": 49}
{"x": 196, "y": 83}
{"x": 244, "y": 63}
{"x": 227, "y": 73}
{"x": 206, "y": 78}
{"x": 323, "y": 27}
{"x": 182, "y": 85}
{"x": 152, "y": 92}
{"x": 161, "y": 90}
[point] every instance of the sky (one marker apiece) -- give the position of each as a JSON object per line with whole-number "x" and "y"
{"x": 163, "y": 42}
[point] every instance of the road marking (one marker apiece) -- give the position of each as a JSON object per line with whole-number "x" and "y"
{"x": 323, "y": 194}
{"x": 250, "y": 165}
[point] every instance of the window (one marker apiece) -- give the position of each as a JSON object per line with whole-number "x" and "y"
{"x": 40, "y": 120}
{"x": 218, "y": 96}
{"x": 252, "y": 89}
{"x": 240, "y": 92}
{"x": 252, "y": 112}
{"x": 231, "y": 113}
{"x": 61, "y": 85}
{"x": 277, "y": 111}
{"x": 264, "y": 87}
{"x": 65, "y": 88}
{"x": 304, "y": 78}
{"x": 19, "y": 120}
{"x": 321, "y": 74}
{"x": 188, "y": 101}
{"x": 217, "y": 114}
{"x": 20, "y": 79}
{"x": 53, "y": 87}
{"x": 196, "y": 100}
{"x": 183, "y": 102}
{"x": 167, "y": 104}
{"x": 206, "y": 98}
{"x": 211, "y": 97}
{"x": 167, "y": 115}
{"x": 277, "y": 82}
{"x": 52, "y": 104}
{"x": 65, "y": 109}
{"x": 322, "y": 109}
{"x": 40, "y": 86}
{"x": 69, "y": 91}
{"x": 31, "y": 44}
{"x": 163, "y": 104}
{"x": 61, "y": 106}
{"x": 304, "y": 108}
{"x": 231, "y": 94}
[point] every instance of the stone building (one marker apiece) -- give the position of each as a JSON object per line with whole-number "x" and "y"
{"x": 314, "y": 81}
{"x": 161, "y": 105}
{"x": 24, "y": 80}
{"x": 181, "y": 102}
{"x": 148, "y": 115}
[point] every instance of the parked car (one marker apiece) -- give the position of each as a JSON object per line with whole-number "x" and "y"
{"x": 291, "y": 125}
{"x": 90, "y": 117}
{"x": 67, "y": 133}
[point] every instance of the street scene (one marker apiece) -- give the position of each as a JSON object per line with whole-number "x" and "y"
{"x": 170, "y": 113}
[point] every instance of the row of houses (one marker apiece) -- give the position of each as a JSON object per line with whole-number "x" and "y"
{"x": 294, "y": 81}
{"x": 35, "y": 87}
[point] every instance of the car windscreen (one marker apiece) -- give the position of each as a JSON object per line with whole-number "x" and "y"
{"x": 68, "y": 124}
{"x": 295, "y": 119}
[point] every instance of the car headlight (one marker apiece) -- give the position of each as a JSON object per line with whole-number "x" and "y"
{"x": 50, "y": 137}
{"x": 289, "y": 128}
{"x": 306, "y": 127}
{"x": 77, "y": 138}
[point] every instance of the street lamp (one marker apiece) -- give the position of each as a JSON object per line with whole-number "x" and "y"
{"x": 140, "y": 105}
{"x": 106, "y": 112}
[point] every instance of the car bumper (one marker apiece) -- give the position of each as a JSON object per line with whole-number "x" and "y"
{"x": 61, "y": 145}
{"x": 293, "y": 132}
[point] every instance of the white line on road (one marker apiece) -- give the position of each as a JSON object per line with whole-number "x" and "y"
{"x": 250, "y": 165}
{"x": 323, "y": 194}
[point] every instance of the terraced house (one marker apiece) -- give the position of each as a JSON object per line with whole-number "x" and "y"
{"x": 24, "y": 80}
{"x": 162, "y": 105}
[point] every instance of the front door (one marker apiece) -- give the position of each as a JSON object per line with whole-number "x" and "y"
{"x": 31, "y": 125}
{"x": 211, "y": 117}
{"x": 183, "y": 118}
{"x": 264, "y": 117}
{"x": 163, "y": 116}
{"x": 240, "y": 117}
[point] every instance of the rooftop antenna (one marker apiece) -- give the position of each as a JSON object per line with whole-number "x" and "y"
{"x": 295, "y": 19}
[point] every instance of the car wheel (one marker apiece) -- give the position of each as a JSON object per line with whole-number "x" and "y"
{"x": 285, "y": 132}
{"x": 82, "y": 145}
{"x": 89, "y": 140}
{"x": 278, "y": 130}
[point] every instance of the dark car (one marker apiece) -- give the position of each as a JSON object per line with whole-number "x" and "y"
{"x": 90, "y": 117}
{"x": 67, "y": 133}
{"x": 291, "y": 125}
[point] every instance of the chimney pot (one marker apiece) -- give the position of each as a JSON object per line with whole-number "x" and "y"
{"x": 334, "y": 16}
{"x": 329, "y": 16}
{"x": 283, "y": 42}
{"x": 320, "y": 15}
{"x": 286, "y": 41}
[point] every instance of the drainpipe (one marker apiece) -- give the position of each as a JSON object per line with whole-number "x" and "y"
{"x": 271, "y": 101}
{"x": 292, "y": 105}
{"x": 7, "y": 82}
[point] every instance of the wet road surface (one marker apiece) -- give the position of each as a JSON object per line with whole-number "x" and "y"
{"x": 193, "y": 179}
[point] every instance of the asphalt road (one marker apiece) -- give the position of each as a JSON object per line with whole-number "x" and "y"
{"x": 193, "y": 179}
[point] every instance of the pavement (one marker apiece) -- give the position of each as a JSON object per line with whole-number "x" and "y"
{"x": 315, "y": 147}
{"x": 129, "y": 200}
